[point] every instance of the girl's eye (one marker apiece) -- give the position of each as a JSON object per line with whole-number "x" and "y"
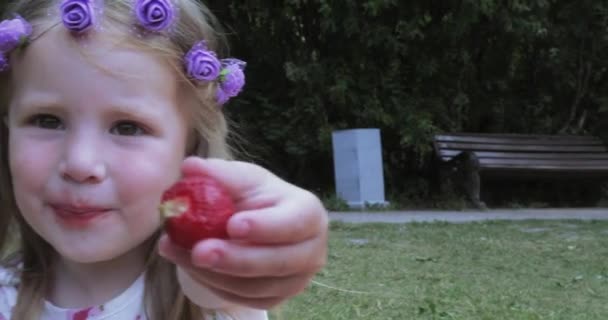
{"x": 128, "y": 128}
{"x": 47, "y": 121}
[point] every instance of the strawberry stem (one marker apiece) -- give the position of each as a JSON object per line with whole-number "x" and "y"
{"x": 172, "y": 208}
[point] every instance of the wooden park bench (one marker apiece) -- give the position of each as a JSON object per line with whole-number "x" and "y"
{"x": 471, "y": 156}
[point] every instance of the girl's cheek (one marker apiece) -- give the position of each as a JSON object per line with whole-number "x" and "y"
{"x": 146, "y": 176}
{"x": 31, "y": 159}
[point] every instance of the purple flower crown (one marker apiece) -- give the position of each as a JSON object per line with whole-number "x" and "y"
{"x": 14, "y": 34}
{"x": 202, "y": 64}
{"x": 154, "y": 16}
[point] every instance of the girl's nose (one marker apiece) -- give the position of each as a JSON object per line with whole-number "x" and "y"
{"x": 82, "y": 161}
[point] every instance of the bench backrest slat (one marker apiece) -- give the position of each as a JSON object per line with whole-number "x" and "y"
{"x": 554, "y": 167}
{"x": 512, "y": 136}
{"x": 537, "y": 147}
{"x": 447, "y": 154}
{"x": 519, "y": 139}
{"x": 548, "y": 162}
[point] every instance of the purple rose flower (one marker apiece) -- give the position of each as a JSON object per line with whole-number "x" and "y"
{"x": 3, "y": 63}
{"x": 202, "y": 64}
{"x": 221, "y": 96}
{"x": 13, "y": 33}
{"x": 155, "y": 15}
{"x": 78, "y": 15}
{"x": 232, "y": 80}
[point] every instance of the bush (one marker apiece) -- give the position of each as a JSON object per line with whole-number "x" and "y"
{"x": 413, "y": 69}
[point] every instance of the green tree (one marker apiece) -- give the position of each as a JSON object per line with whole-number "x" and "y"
{"x": 411, "y": 68}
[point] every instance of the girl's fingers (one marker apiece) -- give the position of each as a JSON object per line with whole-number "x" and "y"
{"x": 251, "y": 288}
{"x": 286, "y": 223}
{"x": 173, "y": 253}
{"x": 256, "y": 303}
{"x": 243, "y": 260}
{"x": 255, "y": 292}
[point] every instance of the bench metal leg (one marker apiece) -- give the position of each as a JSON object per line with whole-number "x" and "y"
{"x": 472, "y": 181}
{"x": 473, "y": 186}
{"x": 444, "y": 179}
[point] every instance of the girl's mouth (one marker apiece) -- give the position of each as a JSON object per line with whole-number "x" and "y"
{"x": 78, "y": 217}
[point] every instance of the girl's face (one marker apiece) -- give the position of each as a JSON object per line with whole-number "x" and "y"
{"x": 95, "y": 137}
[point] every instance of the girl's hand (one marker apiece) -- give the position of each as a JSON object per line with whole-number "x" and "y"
{"x": 278, "y": 238}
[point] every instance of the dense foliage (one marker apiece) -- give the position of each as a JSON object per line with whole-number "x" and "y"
{"x": 412, "y": 68}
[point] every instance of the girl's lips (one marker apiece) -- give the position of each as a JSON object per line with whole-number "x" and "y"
{"x": 78, "y": 217}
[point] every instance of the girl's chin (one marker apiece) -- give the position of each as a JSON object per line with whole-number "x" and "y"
{"x": 96, "y": 254}
{"x": 86, "y": 257}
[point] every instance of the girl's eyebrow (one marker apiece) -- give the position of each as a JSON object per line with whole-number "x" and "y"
{"x": 137, "y": 106}
{"x": 142, "y": 109}
{"x": 38, "y": 100}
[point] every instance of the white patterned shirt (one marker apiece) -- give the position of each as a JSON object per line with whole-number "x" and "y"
{"x": 129, "y": 305}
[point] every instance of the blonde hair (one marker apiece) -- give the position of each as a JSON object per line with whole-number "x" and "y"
{"x": 19, "y": 243}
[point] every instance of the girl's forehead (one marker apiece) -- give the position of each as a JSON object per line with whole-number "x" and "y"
{"x": 99, "y": 64}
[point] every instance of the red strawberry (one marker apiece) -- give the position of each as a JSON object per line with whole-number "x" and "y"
{"x": 197, "y": 207}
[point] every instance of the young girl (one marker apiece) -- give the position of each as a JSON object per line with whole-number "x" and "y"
{"x": 105, "y": 106}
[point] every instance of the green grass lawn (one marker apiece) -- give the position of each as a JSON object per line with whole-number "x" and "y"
{"x": 489, "y": 270}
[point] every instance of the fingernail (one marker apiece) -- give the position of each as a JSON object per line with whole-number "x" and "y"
{"x": 165, "y": 256}
{"x": 240, "y": 228}
{"x": 209, "y": 260}
{"x": 162, "y": 248}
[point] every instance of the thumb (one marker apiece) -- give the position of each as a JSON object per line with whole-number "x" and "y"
{"x": 254, "y": 190}
{"x": 242, "y": 180}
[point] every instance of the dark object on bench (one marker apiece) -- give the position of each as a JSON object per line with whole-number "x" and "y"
{"x": 471, "y": 155}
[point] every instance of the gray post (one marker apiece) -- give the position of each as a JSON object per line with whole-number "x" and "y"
{"x": 358, "y": 167}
